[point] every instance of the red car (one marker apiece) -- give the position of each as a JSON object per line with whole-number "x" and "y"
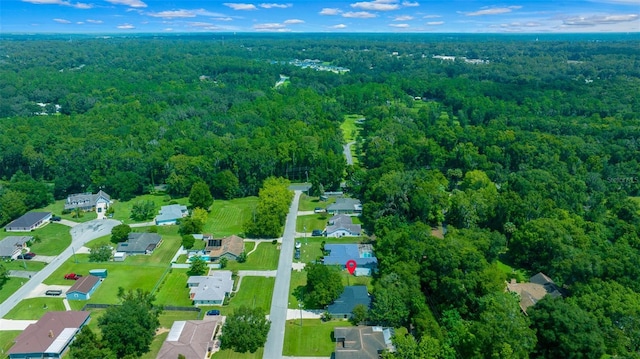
{"x": 72, "y": 276}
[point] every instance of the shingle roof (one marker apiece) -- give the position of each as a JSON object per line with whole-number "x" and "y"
{"x": 139, "y": 243}
{"x": 232, "y": 244}
{"x": 339, "y": 254}
{"x": 84, "y": 284}
{"x": 40, "y": 336}
{"x": 85, "y": 199}
{"x": 171, "y": 212}
{"x": 191, "y": 338}
{"x": 359, "y": 342}
{"x": 28, "y": 219}
{"x": 9, "y": 244}
{"x": 345, "y": 204}
{"x": 350, "y": 297}
{"x": 211, "y": 287}
{"x": 342, "y": 221}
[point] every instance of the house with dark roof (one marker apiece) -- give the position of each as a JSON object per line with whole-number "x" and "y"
{"x": 50, "y": 336}
{"x": 345, "y": 206}
{"x": 88, "y": 201}
{"x": 362, "y": 342}
{"x": 83, "y": 288}
{"x": 192, "y": 338}
{"x": 531, "y": 292}
{"x": 342, "y": 308}
{"x": 28, "y": 222}
{"x": 228, "y": 247}
{"x": 140, "y": 243}
{"x": 210, "y": 289}
{"x": 12, "y": 246}
{"x": 362, "y": 254}
{"x": 170, "y": 214}
{"x": 342, "y": 225}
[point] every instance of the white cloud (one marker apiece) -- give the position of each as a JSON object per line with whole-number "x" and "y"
{"x": 182, "y": 13}
{"x": 435, "y": 23}
{"x": 359, "y": 14}
{"x": 376, "y": 5}
{"x": 403, "y": 18}
{"x": 224, "y": 18}
{"x": 330, "y": 11}
{"x": 491, "y": 11}
{"x": 339, "y": 26}
{"x": 77, "y": 5}
{"x": 400, "y": 26}
{"x": 410, "y": 4}
{"x": 126, "y": 26}
{"x": 130, "y": 3}
{"x": 279, "y": 6}
{"x": 80, "y": 22}
{"x": 91, "y": 21}
{"x": 240, "y": 6}
{"x": 599, "y": 19}
{"x": 269, "y": 26}
{"x": 62, "y": 21}
{"x": 294, "y": 21}
{"x": 200, "y": 24}
{"x": 431, "y": 16}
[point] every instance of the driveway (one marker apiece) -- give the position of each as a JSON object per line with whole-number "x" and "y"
{"x": 280, "y": 300}
{"x": 347, "y": 152}
{"x": 80, "y": 234}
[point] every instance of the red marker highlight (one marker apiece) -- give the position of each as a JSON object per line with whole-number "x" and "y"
{"x": 351, "y": 266}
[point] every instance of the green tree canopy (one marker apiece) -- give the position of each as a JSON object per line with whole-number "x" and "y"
{"x": 245, "y": 330}
{"x": 120, "y": 233}
{"x": 324, "y": 285}
{"x": 198, "y": 266}
{"x": 200, "y": 196}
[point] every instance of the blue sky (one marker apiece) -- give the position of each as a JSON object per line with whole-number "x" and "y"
{"x": 457, "y": 16}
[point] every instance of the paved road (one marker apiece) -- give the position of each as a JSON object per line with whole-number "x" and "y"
{"x": 347, "y": 152}
{"x": 80, "y": 234}
{"x": 280, "y": 300}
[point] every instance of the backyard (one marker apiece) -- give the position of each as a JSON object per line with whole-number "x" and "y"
{"x": 54, "y": 238}
{"x": 265, "y": 257}
{"x": 313, "y": 338}
{"x": 228, "y": 217}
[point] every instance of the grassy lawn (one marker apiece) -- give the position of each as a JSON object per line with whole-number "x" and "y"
{"x": 54, "y": 238}
{"x": 173, "y": 289}
{"x": 298, "y": 279}
{"x": 123, "y": 209}
{"x": 230, "y": 354}
{"x": 228, "y": 217}
{"x": 253, "y": 290}
{"x": 350, "y": 128}
{"x": 313, "y": 338}
{"x": 310, "y": 250}
{"x": 311, "y": 222}
{"x": 34, "y": 308}
{"x": 520, "y": 275}
{"x": 9, "y": 287}
{"x": 19, "y": 264}
{"x": 6, "y": 339}
{"x": 155, "y": 346}
{"x": 167, "y": 317}
{"x": 309, "y": 203}
{"x": 162, "y": 255}
{"x": 264, "y": 258}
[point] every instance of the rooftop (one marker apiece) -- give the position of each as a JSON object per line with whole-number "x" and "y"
{"x": 50, "y": 334}
{"x": 191, "y": 338}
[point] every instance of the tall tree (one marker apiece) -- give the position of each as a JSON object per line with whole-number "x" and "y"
{"x": 324, "y": 285}
{"x": 87, "y": 345}
{"x": 120, "y": 233}
{"x": 245, "y": 330}
{"x": 200, "y": 196}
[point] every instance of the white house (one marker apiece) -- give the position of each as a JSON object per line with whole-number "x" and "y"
{"x": 210, "y": 289}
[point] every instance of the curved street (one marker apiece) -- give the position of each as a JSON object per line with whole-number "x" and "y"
{"x": 81, "y": 233}
{"x": 280, "y": 300}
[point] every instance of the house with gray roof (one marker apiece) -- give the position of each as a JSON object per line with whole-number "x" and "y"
{"x": 170, "y": 214}
{"x": 12, "y": 246}
{"x": 88, "y": 201}
{"x": 342, "y": 225}
{"x": 362, "y": 254}
{"x": 362, "y": 342}
{"x": 531, "y": 292}
{"x": 28, "y": 222}
{"x": 210, "y": 289}
{"x": 342, "y": 308}
{"x": 50, "y": 336}
{"x": 140, "y": 243}
{"x": 345, "y": 206}
{"x": 83, "y": 288}
{"x": 191, "y": 338}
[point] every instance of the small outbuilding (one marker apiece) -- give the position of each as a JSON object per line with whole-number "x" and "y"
{"x": 83, "y": 288}
{"x": 100, "y": 273}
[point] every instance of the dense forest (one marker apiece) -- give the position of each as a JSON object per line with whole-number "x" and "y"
{"x": 524, "y": 151}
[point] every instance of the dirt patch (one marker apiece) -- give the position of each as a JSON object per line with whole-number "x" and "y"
{"x": 162, "y": 330}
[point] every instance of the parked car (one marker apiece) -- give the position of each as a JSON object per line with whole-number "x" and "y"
{"x": 56, "y": 219}
{"x": 72, "y": 276}
{"x": 213, "y": 312}
{"x": 53, "y": 292}
{"x": 31, "y": 254}
{"x": 24, "y": 256}
{"x": 316, "y": 233}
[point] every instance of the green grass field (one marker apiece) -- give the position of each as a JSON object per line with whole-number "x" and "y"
{"x": 298, "y": 279}
{"x": 264, "y": 258}
{"x": 230, "y": 354}
{"x": 309, "y": 203}
{"x": 20, "y": 264}
{"x": 6, "y": 340}
{"x": 34, "y": 308}
{"x": 122, "y": 210}
{"x": 313, "y": 338}
{"x": 311, "y": 222}
{"x": 9, "y": 287}
{"x": 173, "y": 289}
{"x": 520, "y": 275}
{"x": 228, "y": 217}
{"x": 254, "y": 291}
{"x": 54, "y": 239}
{"x": 350, "y": 128}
